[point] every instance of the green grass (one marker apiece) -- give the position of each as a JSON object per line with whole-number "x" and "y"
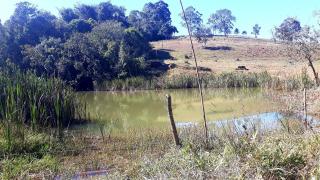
{"x": 34, "y": 113}
{"x": 223, "y": 80}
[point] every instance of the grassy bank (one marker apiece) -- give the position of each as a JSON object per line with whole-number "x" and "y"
{"x": 223, "y": 80}
{"x": 253, "y": 155}
{"x": 33, "y": 114}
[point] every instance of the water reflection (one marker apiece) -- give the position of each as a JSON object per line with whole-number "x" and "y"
{"x": 147, "y": 109}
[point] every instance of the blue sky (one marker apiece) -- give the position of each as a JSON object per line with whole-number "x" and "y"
{"x": 267, "y": 13}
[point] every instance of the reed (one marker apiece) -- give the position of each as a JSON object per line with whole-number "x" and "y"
{"x": 28, "y": 102}
{"x": 223, "y": 80}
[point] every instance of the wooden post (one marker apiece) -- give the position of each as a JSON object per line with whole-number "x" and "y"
{"x": 198, "y": 75}
{"x": 173, "y": 125}
{"x": 305, "y": 112}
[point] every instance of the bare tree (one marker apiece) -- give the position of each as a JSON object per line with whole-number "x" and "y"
{"x": 306, "y": 46}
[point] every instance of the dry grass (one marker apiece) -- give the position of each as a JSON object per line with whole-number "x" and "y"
{"x": 256, "y": 54}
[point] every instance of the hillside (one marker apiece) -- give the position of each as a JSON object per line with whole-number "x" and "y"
{"x": 226, "y": 54}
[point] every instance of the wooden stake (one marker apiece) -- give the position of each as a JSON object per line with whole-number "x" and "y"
{"x": 173, "y": 124}
{"x": 198, "y": 76}
{"x": 305, "y": 113}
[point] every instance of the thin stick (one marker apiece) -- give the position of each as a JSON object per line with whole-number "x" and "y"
{"x": 305, "y": 113}
{"x": 198, "y": 76}
{"x": 173, "y": 124}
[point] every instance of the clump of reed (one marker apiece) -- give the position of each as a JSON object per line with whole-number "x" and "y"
{"x": 223, "y": 80}
{"x": 28, "y": 102}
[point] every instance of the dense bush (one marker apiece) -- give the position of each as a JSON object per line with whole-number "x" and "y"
{"x": 87, "y": 44}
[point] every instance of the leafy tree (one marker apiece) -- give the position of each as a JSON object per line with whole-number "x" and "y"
{"x": 80, "y": 25}
{"x": 193, "y": 17}
{"x": 202, "y": 34}
{"x": 107, "y": 11}
{"x": 132, "y": 54}
{"x": 222, "y": 20}
{"x": 256, "y": 30}
{"x": 86, "y": 12}
{"x": 288, "y": 29}
{"x": 68, "y": 14}
{"x": 236, "y": 31}
{"x": 244, "y": 33}
{"x": 306, "y": 46}
{"x": 3, "y": 44}
{"x": 27, "y": 26}
{"x": 154, "y": 21}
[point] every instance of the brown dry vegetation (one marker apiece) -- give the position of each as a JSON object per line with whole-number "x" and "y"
{"x": 226, "y": 54}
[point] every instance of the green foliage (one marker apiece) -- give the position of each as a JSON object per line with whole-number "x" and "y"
{"x": 154, "y": 21}
{"x": 20, "y": 167}
{"x": 193, "y": 17}
{"x": 256, "y": 30}
{"x": 34, "y": 103}
{"x": 288, "y": 29}
{"x": 222, "y": 20}
{"x": 109, "y": 51}
{"x": 223, "y": 80}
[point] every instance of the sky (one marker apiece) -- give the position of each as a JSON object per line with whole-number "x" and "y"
{"x": 266, "y": 13}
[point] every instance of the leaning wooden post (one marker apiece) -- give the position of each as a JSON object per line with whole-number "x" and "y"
{"x": 198, "y": 75}
{"x": 173, "y": 125}
{"x": 305, "y": 113}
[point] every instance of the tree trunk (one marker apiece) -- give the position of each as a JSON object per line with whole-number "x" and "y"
{"x": 315, "y": 74}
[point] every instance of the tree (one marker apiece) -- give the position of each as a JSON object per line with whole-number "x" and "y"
{"x": 86, "y": 12}
{"x": 154, "y": 21}
{"x": 80, "y": 25}
{"x": 256, "y": 30}
{"x": 236, "y": 31}
{"x": 27, "y": 26}
{"x": 288, "y": 29}
{"x": 202, "y": 34}
{"x": 107, "y": 11}
{"x": 222, "y": 20}
{"x": 3, "y": 44}
{"x": 194, "y": 19}
{"x": 244, "y": 33}
{"x": 68, "y": 14}
{"x": 305, "y": 46}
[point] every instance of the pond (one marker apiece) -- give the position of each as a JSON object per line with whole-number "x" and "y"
{"x": 122, "y": 111}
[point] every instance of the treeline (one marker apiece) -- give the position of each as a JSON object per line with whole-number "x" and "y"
{"x": 86, "y": 44}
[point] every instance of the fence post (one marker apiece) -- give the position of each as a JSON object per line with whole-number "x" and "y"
{"x": 305, "y": 112}
{"x": 173, "y": 125}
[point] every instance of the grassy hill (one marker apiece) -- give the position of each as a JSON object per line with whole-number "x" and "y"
{"x": 225, "y": 54}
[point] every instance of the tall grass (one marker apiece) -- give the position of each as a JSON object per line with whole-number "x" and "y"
{"x": 30, "y": 103}
{"x": 223, "y": 80}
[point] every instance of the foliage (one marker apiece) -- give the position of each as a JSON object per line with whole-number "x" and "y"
{"x": 244, "y": 33}
{"x": 256, "y": 30}
{"x": 306, "y": 46}
{"x": 109, "y": 51}
{"x": 223, "y": 80}
{"x": 68, "y": 14}
{"x": 194, "y": 19}
{"x": 236, "y": 31}
{"x": 288, "y": 29}
{"x": 202, "y": 34}
{"x": 154, "y": 21}
{"x": 222, "y": 20}
{"x": 88, "y": 44}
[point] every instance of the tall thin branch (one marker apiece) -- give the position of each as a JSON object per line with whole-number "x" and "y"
{"x": 197, "y": 70}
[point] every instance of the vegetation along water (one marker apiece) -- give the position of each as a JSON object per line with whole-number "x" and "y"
{"x": 84, "y": 93}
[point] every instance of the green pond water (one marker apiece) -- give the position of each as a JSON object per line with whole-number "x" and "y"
{"x": 122, "y": 111}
